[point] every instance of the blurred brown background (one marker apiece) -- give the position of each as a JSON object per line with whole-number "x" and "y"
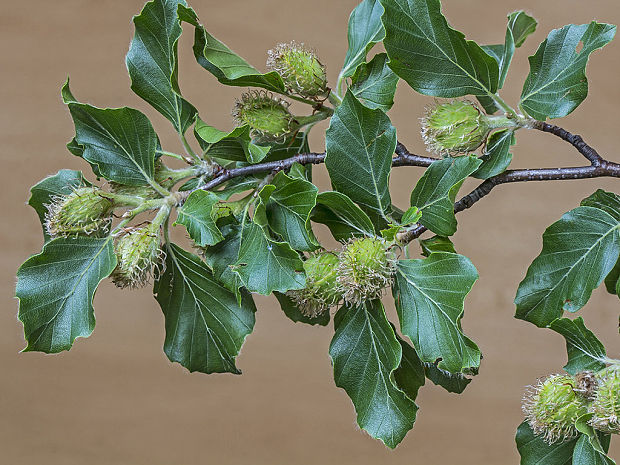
{"x": 116, "y": 399}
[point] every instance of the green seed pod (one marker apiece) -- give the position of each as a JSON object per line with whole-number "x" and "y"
{"x": 364, "y": 270}
{"x": 321, "y": 291}
{"x": 82, "y": 212}
{"x": 267, "y": 116}
{"x": 553, "y": 406}
{"x": 454, "y": 127}
{"x": 138, "y": 253}
{"x": 301, "y": 70}
{"x": 605, "y": 406}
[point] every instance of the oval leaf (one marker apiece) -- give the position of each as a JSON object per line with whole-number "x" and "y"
{"x": 365, "y": 29}
{"x": 56, "y": 288}
{"x": 435, "y": 192}
{"x": 374, "y": 83}
{"x": 557, "y": 82}
{"x": 120, "y": 143}
{"x": 365, "y": 353}
{"x": 585, "y": 351}
{"x": 361, "y": 141}
{"x": 152, "y": 61}
{"x": 578, "y": 252}
{"x": 196, "y": 216}
{"x": 205, "y": 325}
{"x": 432, "y": 57}
{"x": 430, "y": 315}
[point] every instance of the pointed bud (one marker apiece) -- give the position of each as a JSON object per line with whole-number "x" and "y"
{"x": 606, "y": 404}
{"x": 553, "y": 406}
{"x": 365, "y": 269}
{"x": 267, "y": 116}
{"x": 458, "y": 126}
{"x": 138, "y": 252}
{"x": 321, "y": 291}
{"x": 300, "y": 69}
{"x": 82, "y": 212}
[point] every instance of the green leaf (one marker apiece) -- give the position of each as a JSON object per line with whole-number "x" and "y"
{"x": 343, "y": 218}
{"x": 205, "y": 325}
{"x": 222, "y": 255}
{"x": 411, "y": 216}
{"x": 451, "y": 382}
{"x": 235, "y": 145}
{"x": 612, "y": 281}
{"x": 196, "y": 216}
{"x": 436, "y": 244}
{"x": 557, "y": 82}
{"x": 432, "y": 57}
{"x": 497, "y": 155}
{"x": 535, "y": 451}
{"x": 586, "y": 454}
{"x": 228, "y": 67}
{"x": 265, "y": 265}
{"x": 56, "y": 288}
{"x": 609, "y": 202}
{"x": 76, "y": 149}
{"x": 374, "y": 83}
{"x": 585, "y": 351}
{"x": 520, "y": 26}
{"x": 361, "y": 141}
{"x": 152, "y": 61}
{"x": 364, "y": 31}
{"x": 435, "y": 192}
{"x": 290, "y": 310}
{"x": 365, "y": 353}
{"x": 429, "y": 295}
{"x": 578, "y": 252}
{"x": 409, "y": 376}
{"x": 606, "y": 201}
{"x": 44, "y": 192}
{"x": 288, "y": 211}
{"x": 119, "y": 143}
{"x": 592, "y": 446}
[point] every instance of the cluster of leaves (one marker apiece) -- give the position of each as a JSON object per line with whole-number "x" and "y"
{"x": 254, "y": 231}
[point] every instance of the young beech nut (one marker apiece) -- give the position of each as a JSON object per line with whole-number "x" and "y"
{"x": 365, "y": 269}
{"x": 138, "y": 252}
{"x": 300, "y": 69}
{"x": 267, "y": 116}
{"x": 454, "y": 127}
{"x": 605, "y": 406}
{"x": 321, "y": 291}
{"x": 82, "y": 212}
{"x": 553, "y": 406}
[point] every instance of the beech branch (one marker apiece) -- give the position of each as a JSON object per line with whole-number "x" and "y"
{"x": 599, "y": 167}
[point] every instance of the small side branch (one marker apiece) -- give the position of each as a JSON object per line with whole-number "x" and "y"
{"x": 604, "y": 168}
{"x": 575, "y": 140}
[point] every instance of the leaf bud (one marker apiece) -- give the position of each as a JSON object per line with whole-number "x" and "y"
{"x": 321, "y": 290}
{"x": 454, "y": 127}
{"x": 82, "y": 212}
{"x": 300, "y": 69}
{"x": 553, "y": 406}
{"x": 267, "y": 116}
{"x": 605, "y": 406}
{"x": 138, "y": 252}
{"x": 364, "y": 270}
